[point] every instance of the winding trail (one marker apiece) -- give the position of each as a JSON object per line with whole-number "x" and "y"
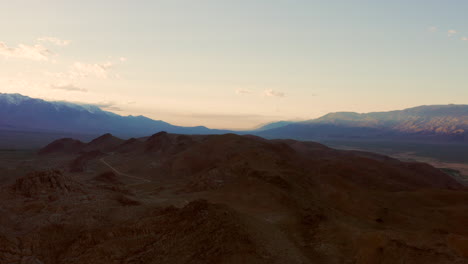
{"x": 121, "y": 173}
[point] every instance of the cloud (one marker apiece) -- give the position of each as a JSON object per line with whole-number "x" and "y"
{"x": 432, "y": 29}
{"x": 108, "y": 105}
{"x": 104, "y": 105}
{"x": 67, "y": 87}
{"x": 243, "y": 91}
{"x": 55, "y": 41}
{"x": 99, "y": 70}
{"x": 229, "y": 116}
{"x": 123, "y": 59}
{"x": 36, "y": 52}
{"x": 464, "y": 38}
{"x": 452, "y": 32}
{"x": 272, "y": 93}
{"x": 81, "y": 70}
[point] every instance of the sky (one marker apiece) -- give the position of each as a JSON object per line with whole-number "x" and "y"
{"x": 236, "y": 64}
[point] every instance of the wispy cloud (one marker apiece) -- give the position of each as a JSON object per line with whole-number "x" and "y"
{"x": 67, "y": 87}
{"x": 243, "y": 91}
{"x": 451, "y": 32}
{"x": 273, "y": 93}
{"x": 55, "y": 41}
{"x": 228, "y": 116}
{"x": 99, "y": 70}
{"x": 104, "y": 105}
{"x": 433, "y": 29}
{"x": 108, "y": 105}
{"x": 35, "y": 52}
{"x": 81, "y": 70}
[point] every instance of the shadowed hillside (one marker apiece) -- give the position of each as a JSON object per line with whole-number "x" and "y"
{"x": 172, "y": 198}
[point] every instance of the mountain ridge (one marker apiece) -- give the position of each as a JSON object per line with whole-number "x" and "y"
{"x": 18, "y": 112}
{"x": 444, "y": 122}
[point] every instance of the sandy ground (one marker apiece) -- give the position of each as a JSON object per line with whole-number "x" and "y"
{"x": 461, "y": 167}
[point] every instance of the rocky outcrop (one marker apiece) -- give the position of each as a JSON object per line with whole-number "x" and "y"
{"x": 63, "y": 146}
{"x": 44, "y": 183}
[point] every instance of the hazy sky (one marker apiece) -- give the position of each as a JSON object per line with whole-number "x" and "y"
{"x": 236, "y": 63}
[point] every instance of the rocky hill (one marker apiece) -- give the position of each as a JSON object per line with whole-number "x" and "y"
{"x": 172, "y": 198}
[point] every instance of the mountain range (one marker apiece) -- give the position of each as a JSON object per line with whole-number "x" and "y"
{"x": 28, "y": 121}
{"x": 22, "y": 112}
{"x": 22, "y": 116}
{"x": 432, "y": 122}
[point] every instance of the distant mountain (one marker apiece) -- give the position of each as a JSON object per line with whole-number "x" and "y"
{"x": 434, "y": 122}
{"x": 29, "y": 123}
{"x": 274, "y": 125}
{"x": 22, "y": 113}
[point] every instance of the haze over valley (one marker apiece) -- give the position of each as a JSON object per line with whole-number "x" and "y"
{"x": 437, "y": 132}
